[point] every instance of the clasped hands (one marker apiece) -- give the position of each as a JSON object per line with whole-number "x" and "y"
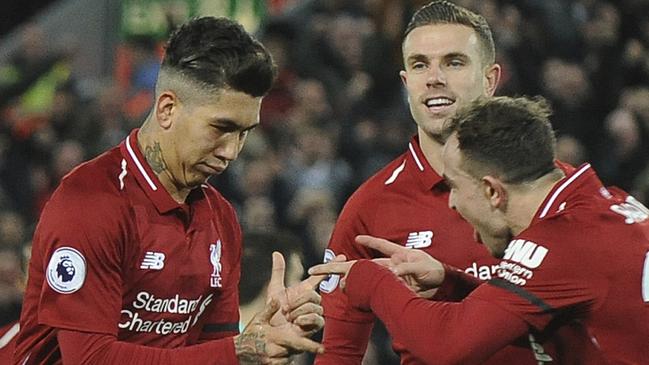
{"x": 419, "y": 271}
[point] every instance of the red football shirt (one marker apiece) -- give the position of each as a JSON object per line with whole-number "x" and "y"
{"x": 407, "y": 203}
{"x": 114, "y": 254}
{"x": 577, "y": 278}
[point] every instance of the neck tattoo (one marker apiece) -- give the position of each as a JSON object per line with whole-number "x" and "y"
{"x": 154, "y": 157}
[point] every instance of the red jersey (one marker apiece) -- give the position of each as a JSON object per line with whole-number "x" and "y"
{"x": 577, "y": 278}
{"x": 407, "y": 203}
{"x": 114, "y": 254}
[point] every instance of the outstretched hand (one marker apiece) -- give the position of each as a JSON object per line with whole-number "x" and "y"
{"x": 420, "y": 271}
{"x": 300, "y": 303}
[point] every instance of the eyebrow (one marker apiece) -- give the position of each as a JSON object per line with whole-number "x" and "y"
{"x": 416, "y": 57}
{"x": 461, "y": 55}
{"x": 229, "y": 123}
{"x": 422, "y": 57}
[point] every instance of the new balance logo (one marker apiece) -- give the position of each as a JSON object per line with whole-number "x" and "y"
{"x": 153, "y": 261}
{"x": 419, "y": 239}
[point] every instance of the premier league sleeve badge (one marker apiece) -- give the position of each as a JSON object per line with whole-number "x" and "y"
{"x": 66, "y": 270}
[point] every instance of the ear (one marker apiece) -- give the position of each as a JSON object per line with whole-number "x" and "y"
{"x": 492, "y": 78}
{"x": 495, "y": 192}
{"x": 404, "y": 77}
{"x": 165, "y": 108}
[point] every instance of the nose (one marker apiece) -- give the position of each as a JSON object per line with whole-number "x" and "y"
{"x": 230, "y": 148}
{"x": 436, "y": 76}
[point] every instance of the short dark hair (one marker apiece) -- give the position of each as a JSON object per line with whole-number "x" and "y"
{"x": 217, "y": 53}
{"x": 445, "y": 12}
{"x": 511, "y": 138}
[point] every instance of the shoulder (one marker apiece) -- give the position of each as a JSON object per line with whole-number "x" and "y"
{"x": 373, "y": 191}
{"x": 90, "y": 190}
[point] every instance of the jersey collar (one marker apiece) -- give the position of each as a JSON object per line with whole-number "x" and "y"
{"x": 146, "y": 178}
{"x": 419, "y": 166}
{"x": 575, "y": 178}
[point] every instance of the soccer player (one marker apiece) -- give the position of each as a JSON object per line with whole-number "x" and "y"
{"x": 136, "y": 260}
{"x": 574, "y": 269}
{"x": 449, "y": 60}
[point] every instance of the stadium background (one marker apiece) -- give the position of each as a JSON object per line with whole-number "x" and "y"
{"x": 77, "y": 75}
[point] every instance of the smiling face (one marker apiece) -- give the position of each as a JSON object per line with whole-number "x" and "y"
{"x": 204, "y": 137}
{"x": 474, "y": 199}
{"x": 444, "y": 70}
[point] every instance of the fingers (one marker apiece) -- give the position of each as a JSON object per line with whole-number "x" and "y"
{"x": 312, "y": 282}
{"x": 309, "y": 323}
{"x": 277, "y": 274}
{"x": 304, "y": 309}
{"x": 384, "y": 246}
{"x": 331, "y": 268}
{"x": 297, "y": 343}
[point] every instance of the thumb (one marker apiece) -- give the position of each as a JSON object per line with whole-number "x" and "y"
{"x": 277, "y": 274}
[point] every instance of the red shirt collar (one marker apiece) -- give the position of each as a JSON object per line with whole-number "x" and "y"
{"x": 427, "y": 177}
{"x": 146, "y": 178}
{"x": 575, "y": 177}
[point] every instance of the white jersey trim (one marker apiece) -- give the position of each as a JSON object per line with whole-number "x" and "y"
{"x": 561, "y": 188}
{"x": 9, "y": 335}
{"x": 414, "y": 155}
{"x": 395, "y": 173}
{"x": 139, "y": 165}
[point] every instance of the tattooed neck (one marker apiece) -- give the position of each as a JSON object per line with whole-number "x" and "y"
{"x": 153, "y": 155}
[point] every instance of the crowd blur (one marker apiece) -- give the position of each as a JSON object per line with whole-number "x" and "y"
{"x": 336, "y": 114}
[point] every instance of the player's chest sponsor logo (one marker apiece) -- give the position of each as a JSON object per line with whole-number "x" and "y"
{"x": 419, "y": 239}
{"x": 66, "y": 271}
{"x": 150, "y": 314}
{"x": 153, "y": 261}
{"x": 521, "y": 258}
{"x": 216, "y": 281}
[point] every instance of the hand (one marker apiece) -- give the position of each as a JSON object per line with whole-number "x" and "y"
{"x": 337, "y": 267}
{"x": 300, "y": 303}
{"x": 420, "y": 271}
{"x": 262, "y": 343}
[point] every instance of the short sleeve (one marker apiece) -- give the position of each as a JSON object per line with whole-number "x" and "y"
{"x": 78, "y": 248}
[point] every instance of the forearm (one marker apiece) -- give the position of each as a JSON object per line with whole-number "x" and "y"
{"x": 98, "y": 349}
{"x": 345, "y": 342}
{"x": 436, "y": 332}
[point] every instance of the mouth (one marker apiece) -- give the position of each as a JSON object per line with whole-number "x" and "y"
{"x": 438, "y": 104}
{"x": 212, "y": 169}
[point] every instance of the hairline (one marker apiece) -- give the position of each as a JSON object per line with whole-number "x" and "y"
{"x": 484, "y": 46}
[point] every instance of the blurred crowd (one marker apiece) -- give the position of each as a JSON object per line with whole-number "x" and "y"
{"x": 336, "y": 114}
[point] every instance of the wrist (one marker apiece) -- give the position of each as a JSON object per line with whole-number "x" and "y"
{"x": 249, "y": 347}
